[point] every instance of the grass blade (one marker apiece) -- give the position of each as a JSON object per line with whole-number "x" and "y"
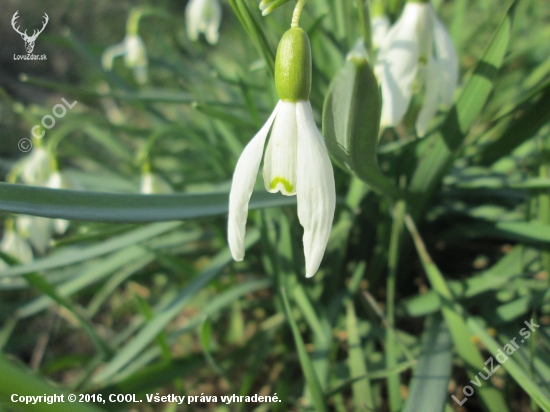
{"x": 16, "y": 380}
{"x": 362, "y": 392}
{"x": 307, "y": 366}
{"x": 454, "y": 317}
{"x": 428, "y": 388}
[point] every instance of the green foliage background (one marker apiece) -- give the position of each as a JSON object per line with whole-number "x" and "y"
{"x": 422, "y": 281}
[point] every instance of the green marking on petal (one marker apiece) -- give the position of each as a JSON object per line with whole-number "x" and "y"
{"x": 278, "y": 179}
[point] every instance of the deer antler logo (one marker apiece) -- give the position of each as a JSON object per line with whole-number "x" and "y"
{"x": 29, "y": 40}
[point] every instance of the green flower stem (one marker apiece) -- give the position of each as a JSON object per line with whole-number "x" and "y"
{"x": 363, "y": 9}
{"x": 396, "y": 402}
{"x": 297, "y": 13}
{"x": 132, "y": 24}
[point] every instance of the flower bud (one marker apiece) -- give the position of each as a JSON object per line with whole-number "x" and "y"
{"x": 293, "y": 66}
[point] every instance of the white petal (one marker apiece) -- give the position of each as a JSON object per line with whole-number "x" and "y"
{"x": 280, "y": 155}
{"x": 193, "y": 19}
{"x": 58, "y": 180}
{"x": 60, "y": 226}
{"x": 315, "y": 191}
{"x": 431, "y": 99}
{"x": 136, "y": 53}
{"x": 38, "y": 230}
{"x": 380, "y": 27}
{"x": 37, "y": 167}
{"x": 140, "y": 74}
{"x": 214, "y": 21}
{"x": 445, "y": 54}
{"x": 14, "y": 245}
{"x": 399, "y": 56}
{"x": 244, "y": 178}
{"x": 151, "y": 183}
{"x": 110, "y": 53}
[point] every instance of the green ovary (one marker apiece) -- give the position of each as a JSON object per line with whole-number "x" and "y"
{"x": 278, "y": 179}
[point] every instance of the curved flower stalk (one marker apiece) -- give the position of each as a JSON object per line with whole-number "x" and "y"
{"x": 135, "y": 56}
{"x": 203, "y": 16}
{"x": 151, "y": 183}
{"x": 296, "y": 160}
{"x": 417, "y": 53}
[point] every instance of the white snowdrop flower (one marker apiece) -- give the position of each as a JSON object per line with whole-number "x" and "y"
{"x": 15, "y": 246}
{"x": 36, "y": 167}
{"x": 133, "y": 50}
{"x": 203, "y": 16}
{"x": 417, "y": 53}
{"x": 296, "y": 160}
{"x": 151, "y": 183}
{"x": 37, "y": 230}
{"x": 58, "y": 180}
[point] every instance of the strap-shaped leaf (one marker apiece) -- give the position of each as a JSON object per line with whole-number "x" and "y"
{"x": 428, "y": 388}
{"x": 122, "y": 208}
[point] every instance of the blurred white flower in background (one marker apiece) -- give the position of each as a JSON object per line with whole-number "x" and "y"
{"x": 133, "y": 50}
{"x": 151, "y": 183}
{"x": 37, "y": 230}
{"x": 416, "y": 54}
{"x": 40, "y": 169}
{"x": 36, "y": 167}
{"x": 15, "y": 246}
{"x": 203, "y": 16}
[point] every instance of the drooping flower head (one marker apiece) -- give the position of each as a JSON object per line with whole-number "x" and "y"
{"x": 135, "y": 56}
{"x": 296, "y": 160}
{"x": 417, "y": 54}
{"x": 203, "y": 16}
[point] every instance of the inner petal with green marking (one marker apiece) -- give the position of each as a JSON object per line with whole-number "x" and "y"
{"x": 281, "y": 153}
{"x": 289, "y": 187}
